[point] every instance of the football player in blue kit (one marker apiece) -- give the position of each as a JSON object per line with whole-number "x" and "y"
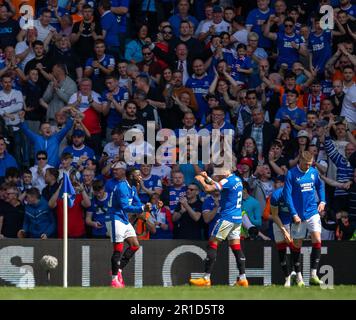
{"x": 123, "y": 201}
{"x": 227, "y": 226}
{"x": 302, "y": 184}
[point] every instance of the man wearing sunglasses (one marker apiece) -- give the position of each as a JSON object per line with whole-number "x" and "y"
{"x": 289, "y": 44}
{"x": 39, "y": 170}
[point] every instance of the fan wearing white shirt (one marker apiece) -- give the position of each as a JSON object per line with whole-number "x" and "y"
{"x": 216, "y": 26}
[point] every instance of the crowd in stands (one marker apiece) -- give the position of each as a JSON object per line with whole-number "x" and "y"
{"x": 82, "y": 73}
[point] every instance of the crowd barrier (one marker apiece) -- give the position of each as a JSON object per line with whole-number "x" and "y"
{"x": 163, "y": 262}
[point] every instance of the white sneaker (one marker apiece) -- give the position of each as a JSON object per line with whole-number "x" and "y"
{"x": 287, "y": 283}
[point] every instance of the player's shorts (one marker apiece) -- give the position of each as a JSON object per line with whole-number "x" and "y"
{"x": 278, "y": 234}
{"x": 299, "y": 230}
{"x": 225, "y": 229}
{"x": 121, "y": 231}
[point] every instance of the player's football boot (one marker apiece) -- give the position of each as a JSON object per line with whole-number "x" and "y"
{"x": 300, "y": 283}
{"x": 315, "y": 281}
{"x": 116, "y": 284}
{"x": 120, "y": 279}
{"x": 200, "y": 282}
{"x": 293, "y": 278}
{"x": 242, "y": 283}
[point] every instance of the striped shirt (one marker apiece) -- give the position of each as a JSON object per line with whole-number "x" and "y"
{"x": 345, "y": 171}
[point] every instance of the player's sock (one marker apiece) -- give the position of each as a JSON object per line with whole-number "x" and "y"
{"x": 128, "y": 254}
{"x": 207, "y": 276}
{"x": 313, "y": 272}
{"x": 315, "y": 256}
{"x": 211, "y": 257}
{"x": 115, "y": 259}
{"x": 283, "y": 259}
{"x": 240, "y": 258}
{"x": 296, "y": 258}
{"x": 299, "y": 276}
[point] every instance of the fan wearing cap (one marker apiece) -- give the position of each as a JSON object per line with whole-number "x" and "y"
{"x": 215, "y": 26}
{"x": 78, "y": 149}
{"x": 124, "y": 201}
{"x": 228, "y": 225}
{"x": 281, "y": 226}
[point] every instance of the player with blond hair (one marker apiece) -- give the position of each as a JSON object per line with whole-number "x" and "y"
{"x": 299, "y": 193}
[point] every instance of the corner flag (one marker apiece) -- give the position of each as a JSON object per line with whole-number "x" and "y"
{"x": 67, "y": 188}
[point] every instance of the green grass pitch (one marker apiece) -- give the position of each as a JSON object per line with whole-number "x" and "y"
{"x": 180, "y": 292}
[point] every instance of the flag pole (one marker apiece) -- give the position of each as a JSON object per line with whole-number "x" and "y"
{"x": 65, "y": 239}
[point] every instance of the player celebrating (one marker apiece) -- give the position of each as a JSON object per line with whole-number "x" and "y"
{"x": 299, "y": 193}
{"x": 124, "y": 200}
{"x": 227, "y": 226}
{"x": 281, "y": 226}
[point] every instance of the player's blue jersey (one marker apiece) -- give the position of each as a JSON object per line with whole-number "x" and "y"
{"x": 209, "y": 205}
{"x": 200, "y": 88}
{"x": 286, "y": 53}
{"x": 277, "y": 200}
{"x": 231, "y": 198}
{"x": 123, "y": 201}
{"x": 320, "y": 47}
{"x": 299, "y": 192}
{"x": 150, "y": 183}
{"x": 114, "y": 117}
{"x": 99, "y": 209}
{"x": 77, "y": 153}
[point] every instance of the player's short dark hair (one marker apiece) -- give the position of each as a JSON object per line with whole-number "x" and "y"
{"x": 33, "y": 192}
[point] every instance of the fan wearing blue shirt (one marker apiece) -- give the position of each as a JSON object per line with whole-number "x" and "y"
{"x": 218, "y": 122}
{"x": 150, "y": 184}
{"x": 200, "y": 82}
{"x": 78, "y": 149}
{"x": 296, "y": 115}
{"x": 320, "y": 45}
{"x": 124, "y": 201}
{"x": 182, "y": 15}
{"x": 255, "y": 20}
{"x": 289, "y": 43}
{"x": 111, "y": 28}
{"x": 211, "y": 210}
{"x": 100, "y": 66}
{"x": 97, "y": 215}
{"x": 113, "y": 99}
{"x": 300, "y": 189}
{"x": 242, "y": 65}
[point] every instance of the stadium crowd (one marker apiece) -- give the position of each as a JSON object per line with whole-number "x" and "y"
{"x": 81, "y": 74}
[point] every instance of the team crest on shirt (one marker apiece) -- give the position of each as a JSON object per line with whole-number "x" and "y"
{"x": 312, "y": 176}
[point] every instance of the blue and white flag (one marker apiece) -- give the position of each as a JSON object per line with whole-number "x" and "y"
{"x": 67, "y": 187}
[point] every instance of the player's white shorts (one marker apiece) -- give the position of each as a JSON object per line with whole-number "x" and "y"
{"x": 225, "y": 229}
{"x": 121, "y": 231}
{"x": 299, "y": 230}
{"x": 278, "y": 234}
